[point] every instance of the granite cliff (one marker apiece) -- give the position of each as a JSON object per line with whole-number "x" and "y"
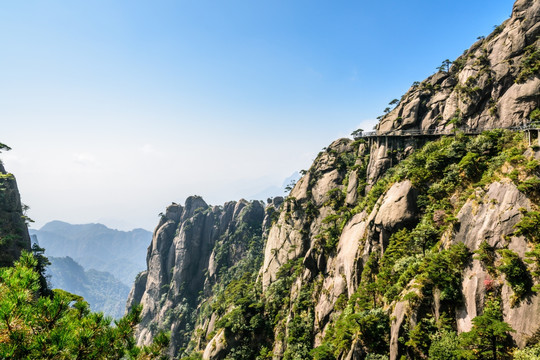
{"x": 387, "y": 246}
{"x": 13, "y": 230}
{"x": 493, "y": 84}
{"x": 196, "y": 251}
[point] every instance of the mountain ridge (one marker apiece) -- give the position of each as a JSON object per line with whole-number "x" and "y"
{"x": 96, "y": 246}
{"x": 103, "y": 292}
{"x": 377, "y": 252}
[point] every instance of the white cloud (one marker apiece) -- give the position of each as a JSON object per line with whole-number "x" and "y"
{"x": 149, "y": 149}
{"x": 13, "y": 159}
{"x": 85, "y": 159}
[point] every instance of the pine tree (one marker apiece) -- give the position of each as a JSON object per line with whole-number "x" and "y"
{"x": 489, "y": 337}
{"x": 60, "y": 325}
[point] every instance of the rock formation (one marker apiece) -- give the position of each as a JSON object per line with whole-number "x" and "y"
{"x": 191, "y": 247}
{"x": 13, "y": 230}
{"x": 384, "y": 246}
{"x": 489, "y": 86}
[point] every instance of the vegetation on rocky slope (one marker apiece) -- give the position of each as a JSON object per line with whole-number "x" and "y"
{"x": 393, "y": 246}
{"x": 13, "y": 232}
{"x": 420, "y": 266}
{"x": 60, "y": 325}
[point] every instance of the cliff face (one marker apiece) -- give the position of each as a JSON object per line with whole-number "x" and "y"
{"x": 382, "y": 249}
{"x": 493, "y": 84}
{"x": 13, "y": 230}
{"x": 193, "y": 246}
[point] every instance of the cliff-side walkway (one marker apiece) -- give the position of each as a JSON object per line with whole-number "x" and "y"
{"x": 532, "y": 130}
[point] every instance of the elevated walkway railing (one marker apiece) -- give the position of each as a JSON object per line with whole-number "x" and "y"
{"x": 435, "y": 132}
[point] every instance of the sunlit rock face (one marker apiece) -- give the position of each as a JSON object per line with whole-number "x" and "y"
{"x": 325, "y": 243}
{"x": 487, "y": 87}
{"x": 190, "y": 246}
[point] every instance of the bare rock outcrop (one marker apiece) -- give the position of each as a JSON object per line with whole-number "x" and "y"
{"x": 330, "y": 239}
{"x": 487, "y": 87}
{"x": 13, "y": 230}
{"x": 491, "y": 217}
{"x": 189, "y": 247}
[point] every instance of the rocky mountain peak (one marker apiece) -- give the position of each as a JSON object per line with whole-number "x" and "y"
{"x": 191, "y": 245}
{"x": 370, "y": 256}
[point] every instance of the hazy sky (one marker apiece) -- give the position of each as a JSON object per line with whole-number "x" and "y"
{"x": 114, "y": 109}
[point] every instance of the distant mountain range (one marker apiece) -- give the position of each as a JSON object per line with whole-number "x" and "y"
{"x": 95, "y": 246}
{"x": 100, "y": 289}
{"x": 93, "y": 261}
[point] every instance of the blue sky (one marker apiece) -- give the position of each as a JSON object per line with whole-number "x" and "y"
{"x": 116, "y": 108}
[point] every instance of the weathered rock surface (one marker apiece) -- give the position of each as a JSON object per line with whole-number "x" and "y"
{"x": 482, "y": 89}
{"x": 491, "y": 217}
{"x": 13, "y": 230}
{"x": 296, "y": 228}
{"x": 189, "y": 247}
{"x": 329, "y": 227}
{"x": 397, "y": 210}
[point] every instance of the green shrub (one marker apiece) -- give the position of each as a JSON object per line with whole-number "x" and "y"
{"x": 516, "y": 273}
{"x": 530, "y": 65}
{"x": 419, "y": 337}
{"x": 528, "y": 353}
{"x": 528, "y": 226}
{"x": 43, "y": 327}
{"x": 444, "y": 346}
{"x": 486, "y": 255}
{"x": 489, "y": 337}
{"x": 370, "y": 328}
{"x": 323, "y": 352}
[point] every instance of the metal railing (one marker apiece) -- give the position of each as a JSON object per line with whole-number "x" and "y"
{"x": 435, "y": 132}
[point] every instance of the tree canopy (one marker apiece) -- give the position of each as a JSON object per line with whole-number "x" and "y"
{"x": 60, "y": 325}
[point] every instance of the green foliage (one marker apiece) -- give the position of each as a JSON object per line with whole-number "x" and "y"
{"x": 357, "y": 134}
{"x": 300, "y": 328}
{"x": 380, "y": 187}
{"x": 489, "y": 337}
{"x": 528, "y": 353}
{"x": 244, "y": 322}
{"x": 4, "y": 147}
{"x": 329, "y": 237}
{"x": 530, "y": 65}
{"x": 323, "y": 352}
{"x": 528, "y": 226}
{"x": 61, "y": 326}
{"x": 445, "y": 66}
{"x": 369, "y": 327}
{"x": 486, "y": 255}
{"x": 453, "y": 161}
{"x": 277, "y": 294}
{"x": 366, "y": 296}
{"x": 419, "y": 337}
{"x": 530, "y": 186}
{"x": 442, "y": 270}
{"x": 371, "y": 356}
{"x": 444, "y": 346}
{"x": 533, "y": 257}
{"x": 534, "y": 116}
{"x": 247, "y": 236}
{"x": 516, "y": 273}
